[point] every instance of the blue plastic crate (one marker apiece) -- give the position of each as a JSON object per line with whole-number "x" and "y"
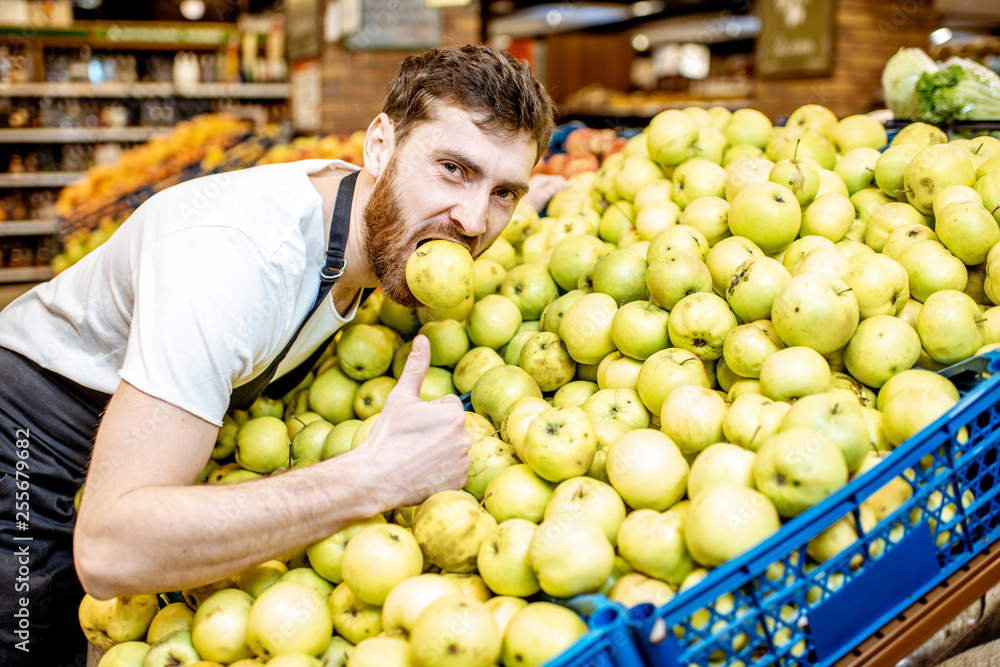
{"x": 608, "y": 643}
{"x": 769, "y": 607}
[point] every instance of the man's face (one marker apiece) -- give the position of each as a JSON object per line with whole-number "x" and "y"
{"x": 448, "y": 180}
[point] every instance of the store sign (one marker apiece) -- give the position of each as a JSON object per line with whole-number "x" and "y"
{"x": 303, "y": 29}
{"x": 396, "y": 24}
{"x": 796, "y": 37}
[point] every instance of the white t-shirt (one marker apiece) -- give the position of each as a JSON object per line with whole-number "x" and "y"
{"x": 196, "y": 293}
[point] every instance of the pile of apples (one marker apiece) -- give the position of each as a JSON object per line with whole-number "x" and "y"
{"x": 710, "y": 334}
{"x": 585, "y": 148}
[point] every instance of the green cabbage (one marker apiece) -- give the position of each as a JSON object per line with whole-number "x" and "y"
{"x": 960, "y": 90}
{"x": 899, "y": 81}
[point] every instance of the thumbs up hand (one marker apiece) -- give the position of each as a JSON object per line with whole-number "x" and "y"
{"x": 423, "y": 444}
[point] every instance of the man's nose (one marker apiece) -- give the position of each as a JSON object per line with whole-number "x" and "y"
{"x": 470, "y": 214}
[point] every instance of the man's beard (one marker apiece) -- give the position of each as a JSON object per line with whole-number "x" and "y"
{"x": 386, "y": 240}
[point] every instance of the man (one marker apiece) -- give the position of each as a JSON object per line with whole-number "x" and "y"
{"x": 157, "y": 332}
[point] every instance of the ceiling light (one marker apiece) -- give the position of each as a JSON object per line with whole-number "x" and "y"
{"x": 940, "y": 36}
{"x": 192, "y": 10}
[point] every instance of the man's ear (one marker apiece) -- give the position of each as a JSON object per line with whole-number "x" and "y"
{"x": 378, "y": 145}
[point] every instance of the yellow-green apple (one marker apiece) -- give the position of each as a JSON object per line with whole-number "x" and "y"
{"x": 455, "y": 631}
{"x": 517, "y": 418}
{"x": 437, "y": 383}
{"x": 766, "y": 213}
{"x": 408, "y": 599}
{"x": 586, "y": 328}
{"x": 721, "y": 463}
{"x": 331, "y": 395}
{"x": 891, "y": 166}
{"x": 175, "y": 616}
{"x": 382, "y": 651}
{"x": 748, "y": 126}
{"x": 262, "y": 444}
{"x": 571, "y": 224}
{"x": 621, "y": 275}
{"x": 517, "y": 493}
{"x": 259, "y": 578}
{"x": 920, "y": 134}
{"x": 633, "y": 589}
{"x": 711, "y": 144}
{"x": 752, "y": 287}
{"x": 637, "y": 171}
{"x": 916, "y": 378}
{"x": 402, "y": 319}
{"x": 853, "y": 250}
{"x": 699, "y": 323}
{"x": 798, "y": 468}
{"x": 988, "y": 187}
{"x": 932, "y": 268}
{"x": 449, "y": 527}
{"x": 487, "y": 278}
{"x": 672, "y": 275}
{"x": 489, "y": 456}
{"x": 671, "y": 136}
{"x": 739, "y": 387}
{"x": 440, "y": 274}
{"x": 647, "y": 469}
{"x": 829, "y": 183}
{"x": 531, "y": 288}
{"x": 552, "y": 316}
{"x": 697, "y": 177}
{"x": 748, "y": 345}
{"x": 955, "y": 193}
{"x": 571, "y": 256}
{"x": 570, "y": 555}
{"x": 726, "y": 256}
{"x": 666, "y": 370}
{"x": 368, "y": 401}
{"x": 835, "y": 415}
{"x": 967, "y": 230}
{"x": 538, "y": 633}
{"x": 173, "y": 649}
{"x": 745, "y": 172}
{"x": 858, "y": 131}
{"x": 908, "y": 411}
{"x": 654, "y": 191}
{"x": 816, "y": 310}
{"x": 503, "y": 560}
{"x": 654, "y": 217}
{"x": 126, "y": 654}
{"x": 679, "y": 237}
{"x": 639, "y": 329}
{"x": 449, "y": 339}
{"x": 120, "y": 619}
{"x": 881, "y": 347}
{"x": 950, "y": 326}
{"x": 472, "y": 365}
{"x": 498, "y": 387}
{"x": 607, "y": 432}
{"x": 503, "y": 608}
{"x": 840, "y": 536}
{"x": 725, "y": 521}
{"x": 796, "y": 251}
{"x": 219, "y": 627}
{"x": 353, "y": 619}
{"x": 340, "y": 438}
{"x": 532, "y": 250}
{"x": 560, "y": 443}
{"x": 734, "y": 153}
{"x": 904, "y": 236}
{"x": 887, "y": 218}
{"x": 545, "y": 358}
{"x": 378, "y": 558}
{"x": 268, "y": 632}
{"x": 574, "y": 393}
{"x": 652, "y": 543}
{"x": 692, "y": 416}
{"x": 866, "y": 201}
{"x": 622, "y": 406}
{"x": 616, "y": 371}
{"x": 710, "y": 216}
{"x": 801, "y": 177}
{"x": 617, "y": 218}
{"x": 592, "y": 497}
{"x": 857, "y": 168}
{"x": 780, "y": 139}
{"x": 794, "y": 372}
{"x": 933, "y": 169}
{"x": 308, "y": 576}
{"x": 879, "y": 284}
{"x": 812, "y": 118}
{"x": 876, "y": 434}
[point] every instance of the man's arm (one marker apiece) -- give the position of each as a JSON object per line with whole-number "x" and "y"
{"x": 144, "y": 527}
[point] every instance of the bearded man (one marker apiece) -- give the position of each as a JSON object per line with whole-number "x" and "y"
{"x": 214, "y": 291}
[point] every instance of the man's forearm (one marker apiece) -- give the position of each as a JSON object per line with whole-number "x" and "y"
{"x": 166, "y": 538}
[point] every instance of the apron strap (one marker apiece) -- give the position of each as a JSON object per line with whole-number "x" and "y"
{"x": 340, "y": 227}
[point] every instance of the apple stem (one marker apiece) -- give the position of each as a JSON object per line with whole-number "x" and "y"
{"x": 995, "y": 209}
{"x": 845, "y": 291}
{"x": 795, "y": 151}
{"x": 981, "y": 321}
{"x": 289, "y": 454}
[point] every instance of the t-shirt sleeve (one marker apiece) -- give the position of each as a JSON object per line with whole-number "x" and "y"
{"x": 209, "y": 305}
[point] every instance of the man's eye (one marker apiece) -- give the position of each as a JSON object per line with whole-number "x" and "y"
{"x": 451, "y": 167}
{"x": 508, "y": 195}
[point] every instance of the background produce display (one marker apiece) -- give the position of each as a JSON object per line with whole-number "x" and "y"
{"x": 704, "y": 338}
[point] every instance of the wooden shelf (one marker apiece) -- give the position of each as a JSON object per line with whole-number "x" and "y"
{"x": 40, "y": 179}
{"x": 25, "y": 274}
{"x": 246, "y": 91}
{"x": 68, "y": 135}
{"x": 28, "y": 227}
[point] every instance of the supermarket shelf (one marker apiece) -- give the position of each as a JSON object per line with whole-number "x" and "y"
{"x": 253, "y": 91}
{"x": 25, "y": 274}
{"x": 40, "y": 179}
{"x": 28, "y": 227}
{"x": 67, "y": 135}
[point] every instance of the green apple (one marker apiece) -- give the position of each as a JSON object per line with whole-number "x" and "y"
{"x": 267, "y": 631}
{"x": 812, "y": 118}
{"x": 449, "y": 527}
{"x": 909, "y": 410}
{"x": 955, "y": 193}
{"x": 748, "y": 345}
{"x": 517, "y": 493}
{"x": 837, "y": 416}
{"x": 338, "y": 440}
{"x": 504, "y": 562}
{"x": 904, "y": 236}
{"x": 449, "y": 340}
{"x": 519, "y": 415}
{"x": 353, "y": 619}
{"x": 865, "y": 202}
{"x": 671, "y": 136}
{"x": 617, "y": 371}
{"x": 653, "y": 219}
{"x": 798, "y": 468}
{"x": 489, "y": 456}
{"x": 408, "y": 599}
{"x": 225, "y": 442}
{"x": 498, "y": 387}
{"x": 632, "y": 589}
{"x": 552, "y": 316}
{"x": 455, "y": 631}
{"x": 647, "y": 469}
{"x": 726, "y": 256}
{"x": 173, "y": 649}
{"x": 950, "y": 326}
{"x": 933, "y": 169}
{"x": 879, "y": 284}
{"x": 697, "y": 177}
{"x": 120, "y": 619}
{"x": 858, "y": 131}
{"x": 816, "y": 310}
{"x": 824, "y": 259}
{"x": 472, "y": 365}
{"x": 621, "y": 275}
{"x": 309, "y": 442}
{"x": 531, "y": 288}
{"x": 331, "y": 395}
{"x": 586, "y": 328}
{"x": 920, "y": 134}
{"x": 988, "y": 187}
{"x": 437, "y": 383}
{"x": 881, "y": 347}
{"x": 751, "y": 419}
{"x": 402, "y": 319}
{"x": 382, "y": 651}
{"x": 829, "y": 182}
{"x": 622, "y": 406}
{"x": 560, "y": 443}
{"x": 571, "y": 256}
{"x": 591, "y": 497}
{"x": 259, "y": 578}
{"x": 796, "y": 252}
{"x": 539, "y": 632}
{"x": 570, "y": 555}
{"x": 734, "y": 153}
{"x": 891, "y": 166}
{"x": 487, "y": 278}
{"x": 126, "y": 654}
{"x": 916, "y": 378}
{"x": 721, "y": 463}
{"x": 748, "y": 126}
{"x": 262, "y": 444}
{"x": 710, "y": 216}
{"x": 378, "y": 558}
{"x": 673, "y": 275}
{"x": 617, "y": 218}
{"x": 801, "y": 177}
{"x": 725, "y": 521}
{"x": 637, "y": 171}
{"x": 655, "y": 191}
{"x": 309, "y": 577}
{"x": 700, "y": 323}
{"x": 574, "y": 393}
{"x": 666, "y": 370}
{"x": 175, "y": 616}
{"x": 809, "y": 146}
{"x": 780, "y": 139}
{"x": 573, "y": 224}
{"x": 857, "y": 168}
{"x": 886, "y": 218}
{"x": 492, "y": 323}
{"x": 219, "y": 628}
{"x": 440, "y": 274}
{"x": 692, "y": 416}
{"x": 639, "y": 329}
{"x": 967, "y": 230}
{"x": 681, "y": 238}
{"x": 752, "y": 287}
{"x": 766, "y": 213}
{"x": 794, "y": 372}
{"x": 652, "y": 543}
{"x": 931, "y": 268}
{"x": 711, "y": 144}
{"x": 745, "y": 172}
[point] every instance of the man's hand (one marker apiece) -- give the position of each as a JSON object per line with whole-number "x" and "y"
{"x": 541, "y": 188}
{"x": 424, "y": 442}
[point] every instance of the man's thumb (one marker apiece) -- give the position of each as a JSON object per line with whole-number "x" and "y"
{"x": 417, "y": 363}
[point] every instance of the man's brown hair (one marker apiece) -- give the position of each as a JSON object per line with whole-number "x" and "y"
{"x": 500, "y": 90}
